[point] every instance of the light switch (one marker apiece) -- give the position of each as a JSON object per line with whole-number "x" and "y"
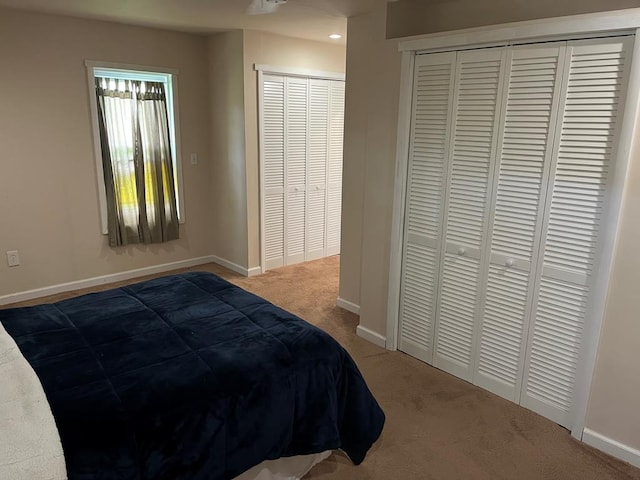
{"x": 194, "y": 159}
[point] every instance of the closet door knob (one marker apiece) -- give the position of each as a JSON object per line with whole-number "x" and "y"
{"x": 462, "y": 251}
{"x": 509, "y": 262}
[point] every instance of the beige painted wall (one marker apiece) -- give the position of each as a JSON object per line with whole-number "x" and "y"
{"x": 414, "y": 17}
{"x": 275, "y": 50}
{"x": 355, "y": 146}
{"x": 373, "y": 82}
{"x": 615, "y": 392}
{"x": 45, "y": 93}
{"x": 48, "y": 186}
{"x": 228, "y": 166}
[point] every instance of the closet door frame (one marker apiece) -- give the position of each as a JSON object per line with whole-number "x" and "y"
{"x": 285, "y": 72}
{"x": 577, "y": 27}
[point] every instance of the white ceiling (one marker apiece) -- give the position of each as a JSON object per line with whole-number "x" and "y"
{"x": 311, "y": 19}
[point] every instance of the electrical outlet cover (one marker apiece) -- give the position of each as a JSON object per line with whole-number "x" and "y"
{"x": 13, "y": 258}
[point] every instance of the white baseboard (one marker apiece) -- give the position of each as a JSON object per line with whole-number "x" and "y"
{"x": 371, "y": 336}
{"x": 612, "y": 447}
{"x": 101, "y": 280}
{"x": 348, "y": 306}
{"x": 252, "y": 272}
{"x": 245, "y": 272}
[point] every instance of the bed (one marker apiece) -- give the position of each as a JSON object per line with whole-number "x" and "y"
{"x": 187, "y": 377}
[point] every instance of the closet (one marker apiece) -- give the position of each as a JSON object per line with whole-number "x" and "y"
{"x": 510, "y": 158}
{"x": 301, "y": 139}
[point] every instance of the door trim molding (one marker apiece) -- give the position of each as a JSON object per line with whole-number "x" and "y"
{"x": 299, "y": 72}
{"x": 618, "y": 23}
{"x": 263, "y": 254}
{"x": 400, "y": 192}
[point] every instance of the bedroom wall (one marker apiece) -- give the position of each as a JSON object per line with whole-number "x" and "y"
{"x": 228, "y": 211}
{"x": 373, "y": 73}
{"x": 415, "y": 17}
{"x": 48, "y": 186}
{"x": 373, "y": 86}
{"x": 355, "y": 133}
{"x": 275, "y": 50}
{"x": 615, "y": 391}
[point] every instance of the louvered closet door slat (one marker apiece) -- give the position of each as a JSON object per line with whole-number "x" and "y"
{"x": 429, "y": 143}
{"x": 334, "y": 177}
{"x": 319, "y": 95}
{"x": 474, "y": 138}
{"x": 296, "y": 168}
{"x": 524, "y": 157}
{"x": 273, "y": 137}
{"x": 596, "y": 75}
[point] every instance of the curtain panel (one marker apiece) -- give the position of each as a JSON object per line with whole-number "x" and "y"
{"x": 137, "y": 162}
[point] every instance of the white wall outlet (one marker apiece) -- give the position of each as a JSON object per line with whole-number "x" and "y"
{"x": 194, "y": 159}
{"x": 13, "y": 258}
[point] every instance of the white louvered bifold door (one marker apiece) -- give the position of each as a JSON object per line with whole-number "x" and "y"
{"x": 523, "y": 161}
{"x": 472, "y": 149}
{"x": 301, "y": 139}
{"x": 319, "y": 92}
{"x": 273, "y": 140}
{"x": 594, "y": 89}
{"x": 334, "y": 179}
{"x": 296, "y": 105}
{"x": 429, "y": 143}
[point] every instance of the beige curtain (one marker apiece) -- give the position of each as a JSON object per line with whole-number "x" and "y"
{"x": 137, "y": 162}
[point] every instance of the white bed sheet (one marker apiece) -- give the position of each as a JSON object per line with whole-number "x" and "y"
{"x": 30, "y": 447}
{"x": 289, "y": 468}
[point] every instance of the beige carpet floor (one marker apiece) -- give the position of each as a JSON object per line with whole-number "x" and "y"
{"x": 438, "y": 427}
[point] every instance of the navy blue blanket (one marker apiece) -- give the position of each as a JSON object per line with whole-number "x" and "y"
{"x": 190, "y": 377}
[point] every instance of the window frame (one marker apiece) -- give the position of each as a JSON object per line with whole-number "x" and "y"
{"x": 168, "y": 76}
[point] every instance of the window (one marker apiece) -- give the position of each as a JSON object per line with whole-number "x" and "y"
{"x": 137, "y": 152}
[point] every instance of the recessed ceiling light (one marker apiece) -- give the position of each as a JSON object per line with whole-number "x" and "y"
{"x": 335, "y": 36}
